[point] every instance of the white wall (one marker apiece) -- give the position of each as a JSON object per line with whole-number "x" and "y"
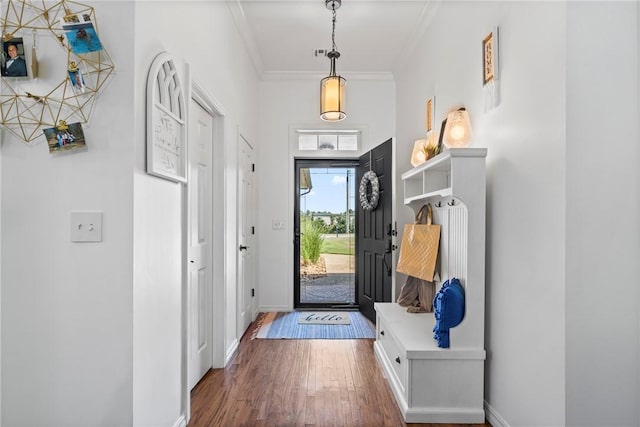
{"x": 287, "y": 102}
{"x": 603, "y": 214}
{"x": 202, "y": 34}
{"x": 525, "y": 185}
{"x": 67, "y": 307}
{"x": 92, "y": 333}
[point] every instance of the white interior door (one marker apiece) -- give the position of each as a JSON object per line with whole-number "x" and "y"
{"x": 199, "y": 243}
{"x": 246, "y": 233}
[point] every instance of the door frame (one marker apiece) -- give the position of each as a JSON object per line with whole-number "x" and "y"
{"x": 216, "y": 257}
{"x": 339, "y": 162}
{"x": 296, "y": 154}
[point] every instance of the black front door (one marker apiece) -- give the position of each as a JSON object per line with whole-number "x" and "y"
{"x": 374, "y": 229}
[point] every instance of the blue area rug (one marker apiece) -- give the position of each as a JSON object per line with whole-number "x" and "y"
{"x": 284, "y": 325}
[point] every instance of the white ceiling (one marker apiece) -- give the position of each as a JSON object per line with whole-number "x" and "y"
{"x": 372, "y": 36}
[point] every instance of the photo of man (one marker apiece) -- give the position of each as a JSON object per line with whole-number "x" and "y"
{"x": 15, "y": 65}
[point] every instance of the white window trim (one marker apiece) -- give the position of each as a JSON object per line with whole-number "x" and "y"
{"x": 295, "y": 152}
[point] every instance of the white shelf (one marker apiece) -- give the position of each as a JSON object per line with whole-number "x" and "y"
{"x": 436, "y": 177}
{"x": 445, "y": 192}
{"x": 443, "y": 160}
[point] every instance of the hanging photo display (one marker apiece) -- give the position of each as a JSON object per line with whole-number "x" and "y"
{"x": 81, "y": 34}
{"x": 83, "y": 63}
{"x": 65, "y": 137}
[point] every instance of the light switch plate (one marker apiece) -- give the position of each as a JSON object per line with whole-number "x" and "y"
{"x": 86, "y": 226}
{"x": 278, "y": 224}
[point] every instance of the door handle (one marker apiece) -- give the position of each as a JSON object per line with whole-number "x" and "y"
{"x": 243, "y": 248}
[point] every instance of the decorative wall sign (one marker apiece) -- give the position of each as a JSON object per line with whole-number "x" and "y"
{"x": 440, "y": 146}
{"x": 166, "y": 121}
{"x": 490, "y": 70}
{"x": 26, "y": 108}
{"x": 429, "y": 110}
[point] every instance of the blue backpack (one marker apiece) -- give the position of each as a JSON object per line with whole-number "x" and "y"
{"x": 448, "y": 307}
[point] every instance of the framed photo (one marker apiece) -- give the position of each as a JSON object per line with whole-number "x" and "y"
{"x": 440, "y": 145}
{"x": 429, "y": 109}
{"x": 490, "y": 57}
{"x": 13, "y": 58}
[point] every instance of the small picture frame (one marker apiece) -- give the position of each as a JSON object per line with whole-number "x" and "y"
{"x": 440, "y": 146}
{"x": 430, "y": 107}
{"x": 14, "y": 63}
{"x": 490, "y": 57}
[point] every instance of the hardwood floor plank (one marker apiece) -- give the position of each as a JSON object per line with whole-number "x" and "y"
{"x": 314, "y": 383}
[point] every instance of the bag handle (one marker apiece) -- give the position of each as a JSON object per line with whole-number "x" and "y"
{"x": 420, "y": 216}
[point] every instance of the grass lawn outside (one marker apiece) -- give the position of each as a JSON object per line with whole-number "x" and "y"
{"x": 343, "y": 244}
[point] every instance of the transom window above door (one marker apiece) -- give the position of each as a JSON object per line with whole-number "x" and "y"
{"x": 333, "y": 140}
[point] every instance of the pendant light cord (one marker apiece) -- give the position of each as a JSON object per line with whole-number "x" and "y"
{"x": 333, "y": 31}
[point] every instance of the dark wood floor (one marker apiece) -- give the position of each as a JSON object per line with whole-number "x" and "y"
{"x": 298, "y": 383}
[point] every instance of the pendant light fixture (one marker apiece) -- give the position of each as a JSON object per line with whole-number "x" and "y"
{"x": 332, "y": 87}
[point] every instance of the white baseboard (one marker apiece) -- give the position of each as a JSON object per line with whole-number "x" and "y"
{"x": 231, "y": 351}
{"x": 271, "y": 308}
{"x": 494, "y": 418}
{"x": 181, "y": 422}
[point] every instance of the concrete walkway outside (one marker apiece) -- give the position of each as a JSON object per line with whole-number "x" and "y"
{"x": 339, "y": 263}
{"x": 336, "y": 287}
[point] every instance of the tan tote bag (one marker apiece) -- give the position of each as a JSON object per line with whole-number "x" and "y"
{"x": 419, "y": 249}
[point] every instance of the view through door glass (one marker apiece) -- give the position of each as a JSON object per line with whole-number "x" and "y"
{"x": 325, "y": 239}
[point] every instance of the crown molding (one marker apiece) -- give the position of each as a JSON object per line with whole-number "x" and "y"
{"x": 426, "y": 16}
{"x": 240, "y": 19}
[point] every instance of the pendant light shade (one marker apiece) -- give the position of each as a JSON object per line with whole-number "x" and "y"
{"x": 332, "y": 87}
{"x": 332, "y": 90}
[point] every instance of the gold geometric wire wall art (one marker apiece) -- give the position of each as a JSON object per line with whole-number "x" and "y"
{"x": 30, "y": 104}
